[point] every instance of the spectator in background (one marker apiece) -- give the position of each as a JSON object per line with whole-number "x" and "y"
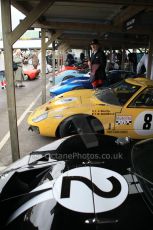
{"x": 119, "y": 58}
{"x": 82, "y": 57}
{"x": 70, "y": 59}
{"x": 25, "y": 59}
{"x": 18, "y": 74}
{"x": 2, "y": 70}
{"x": 133, "y": 60}
{"x": 35, "y": 60}
{"x": 113, "y": 57}
{"x": 142, "y": 65}
{"x": 25, "y": 62}
{"x": 97, "y": 64}
{"x": 49, "y": 58}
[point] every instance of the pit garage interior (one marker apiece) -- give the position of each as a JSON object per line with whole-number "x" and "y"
{"x": 118, "y": 24}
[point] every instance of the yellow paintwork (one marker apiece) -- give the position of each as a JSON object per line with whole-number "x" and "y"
{"x": 85, "y": 102}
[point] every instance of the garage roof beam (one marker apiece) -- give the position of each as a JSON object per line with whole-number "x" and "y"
{"x": 29, "y": 20}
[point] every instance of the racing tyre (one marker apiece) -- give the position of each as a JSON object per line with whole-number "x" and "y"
{"x": 80, "y": 124}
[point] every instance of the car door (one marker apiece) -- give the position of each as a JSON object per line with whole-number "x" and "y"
{"x": 136, "y": 118}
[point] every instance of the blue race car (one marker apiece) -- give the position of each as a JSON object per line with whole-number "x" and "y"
{"x": 68, "y": 74}
{"x": 81, "y": 81}
{"x": 70, "y": 84}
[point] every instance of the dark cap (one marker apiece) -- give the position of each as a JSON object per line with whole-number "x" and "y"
{"x": 94, "y": 42}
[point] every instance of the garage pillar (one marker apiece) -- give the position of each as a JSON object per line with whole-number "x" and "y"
{"x": 58, "y": 61}
{"x": 53, "y": 71}
{"x": 11, "y": 100}
{"x": 123, "y": 58}
{"x": 62, "y": 59}
{"x": 9, "y": 38}
{"x": 150, "y": 58}
{"x": 43, "y": 64}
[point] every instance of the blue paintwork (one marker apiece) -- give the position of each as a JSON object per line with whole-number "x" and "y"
{"x": 82, "y": 80}
{"x": 70, "y": 84}
{"x": 60, "y": 76}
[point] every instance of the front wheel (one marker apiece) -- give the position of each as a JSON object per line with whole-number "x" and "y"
{"x": 79, "y": 125}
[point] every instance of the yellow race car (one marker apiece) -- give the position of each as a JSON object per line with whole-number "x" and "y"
{"x": 125, "y": 109}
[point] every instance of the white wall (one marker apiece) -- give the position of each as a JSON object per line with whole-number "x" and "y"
{"x": 15, "y": 16}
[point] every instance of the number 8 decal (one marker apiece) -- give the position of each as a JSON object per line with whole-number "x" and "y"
{"x": 147, "y": 119}
{"x": 143, "y": 124}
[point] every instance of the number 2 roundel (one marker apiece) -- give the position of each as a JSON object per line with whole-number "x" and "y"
{"x": 90, "y": 189}
{"x": 143, "y": 124}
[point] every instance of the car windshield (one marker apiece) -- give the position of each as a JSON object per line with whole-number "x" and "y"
{"x": 118, "y": 94}
{"x": 142, "y": 162}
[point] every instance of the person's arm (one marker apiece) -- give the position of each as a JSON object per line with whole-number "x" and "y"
{"x": 89, "y": 64}
{"x": 99, "y": 60}
{"x": 140, "y": 64}
{"x": 95, "y": 67}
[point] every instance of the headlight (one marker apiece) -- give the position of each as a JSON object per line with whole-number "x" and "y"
{"x": 40, "y": 118}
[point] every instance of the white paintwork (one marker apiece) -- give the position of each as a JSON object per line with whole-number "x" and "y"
{"x": 81, "y": 197}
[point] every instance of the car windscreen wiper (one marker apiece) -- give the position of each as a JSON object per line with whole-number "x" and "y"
{"x": 44, "y": 156}
{"x": 132, "y": 171}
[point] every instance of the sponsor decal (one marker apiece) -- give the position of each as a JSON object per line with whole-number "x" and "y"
{"x": 58, "y": 116}
{"x": 116, "y": 131}
{"x": 101, "y": 112}
{"x": 143, "y": 124}
{"x": 65, "y": 100}
{"x": 123, "y": 120}
{"x": 90, "y": 189}
{"x": 104, "y": 111}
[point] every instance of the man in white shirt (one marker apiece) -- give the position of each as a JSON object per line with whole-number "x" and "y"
{"x": 144, "y": 62}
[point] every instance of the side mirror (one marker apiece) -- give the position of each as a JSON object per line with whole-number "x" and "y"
{"x": 123, "y": 140}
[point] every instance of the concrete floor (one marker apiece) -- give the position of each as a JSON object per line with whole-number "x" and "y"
{"x": 28, "y": 141}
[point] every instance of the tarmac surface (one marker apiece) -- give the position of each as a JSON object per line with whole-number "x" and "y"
{"x": 27, "y": 99}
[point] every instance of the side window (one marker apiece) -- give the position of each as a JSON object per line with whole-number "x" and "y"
{"x": 144, "y": 99}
